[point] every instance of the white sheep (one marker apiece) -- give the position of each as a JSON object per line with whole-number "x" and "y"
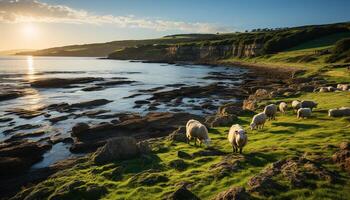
{"x": 237, "y": 138}
{"x": 343, "y": 87}
{"x": 304, "y": 113}
{"x": 270, "y": 111}
{"x": 296, "y": 105}
{"x": 197, "y": 131}
{"x": 308, "y": 104}
{"x": 258, "y": 121}
{"x": 283, "y": 107}
{"x": 339, "y": 112}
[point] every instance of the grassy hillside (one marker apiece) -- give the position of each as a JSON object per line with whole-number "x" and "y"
{"x": 154, "y": 176}
{"x": 103, "y": 49}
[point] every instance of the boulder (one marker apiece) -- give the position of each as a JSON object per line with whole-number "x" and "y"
{"x": 179, "y": 135}
{"x": 120, "y": 148}
{"x": 79, "y": 128}
{"x": 223, "y": 120}
{"x": 62, "y": 82}
{"x": 250, "y": 105}
{"x": 230, "y": 109}
{"x": 234, "y": 193}
{"x": 182, "y": 194}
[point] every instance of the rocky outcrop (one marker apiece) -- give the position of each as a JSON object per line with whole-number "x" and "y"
{"x": 152, "y": 125}
{"x": 342, "y": 157}
{"x": 121, "y": 148}
{"x": 234, "y": 193}
{"x": 62, "y": 82}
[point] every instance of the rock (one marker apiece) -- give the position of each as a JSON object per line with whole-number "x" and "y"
{"x": 178, "y": 135}
{"x": 230, "y": 109}
{"x": 9, "y": 95}
{"x": 299, "y": 172}
{"x": 5, "y": 119}
{"x": 223, "y": 120}
{"x": 79, "y": 128}
{"x": 19, "y": 136}
{"x": 110, "y": 83}
{"x": 61, "y": 82}
{"x": 22, "y": 127}
{"x": 261, "y": 94}
{"x": 120, "y": 148}
{"x": 59, "y": 118}
{"x": 234, "y": 193}
{"x": 226, "y": 167}
{"x": 93, "y": 88}
{"x": 250, "y": 105}
{"x": 26, "y": 114}
{"x": 344, "y": 146}
{"x": 90, "y": 104}
{"x": 182, "y": 194}
{"x": 144, "y": 147}
{"x": 16, "y": 157}
{"x": 342, "y": 157}
{"x": 178, "y": 164}
{"x": 141, "y": 102}
{"x": 154, "y": 124}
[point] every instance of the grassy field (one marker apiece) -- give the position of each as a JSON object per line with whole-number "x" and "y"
{"x": 153, "y": 177}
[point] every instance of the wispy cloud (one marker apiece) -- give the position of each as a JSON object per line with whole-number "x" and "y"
{"x": 16, "y": 11}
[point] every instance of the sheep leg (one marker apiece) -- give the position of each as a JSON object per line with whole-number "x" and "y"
{"x": 234, "y": 149}
{"x": 240, "y": 150}
{"x": 195, "y": 141}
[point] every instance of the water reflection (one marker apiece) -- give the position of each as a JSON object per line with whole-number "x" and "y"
{"x": 30, "y": 68}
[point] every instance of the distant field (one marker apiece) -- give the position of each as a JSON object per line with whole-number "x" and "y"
{"x": 321, "y": 42}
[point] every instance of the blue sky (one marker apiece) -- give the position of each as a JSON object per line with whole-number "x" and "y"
{"x": 47, "y": 23}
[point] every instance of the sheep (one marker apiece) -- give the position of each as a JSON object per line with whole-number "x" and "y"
{"x": 296, "y": 105}
{"x": 258, "y": 121}
{"x": 283, "y": 107}
{"x": 323, "y": 89}
{"x": 237, "y": 138}
{"x": 339, "y": 112}
{"x": 308, "y": 104}
{"x": 197, "y": 131}
{"x": 270, "y": 111}
{"x": 304, "y": 113}
{"x": 343, "y": 87}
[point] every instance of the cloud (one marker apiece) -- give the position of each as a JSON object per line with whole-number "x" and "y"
{"x": 17, "y": 11}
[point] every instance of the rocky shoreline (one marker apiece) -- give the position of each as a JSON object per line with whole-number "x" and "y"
{"x": 258, "y": 84}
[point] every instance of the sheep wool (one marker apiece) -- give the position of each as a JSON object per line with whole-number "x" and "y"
{"x": 258, "y": 121}
{"x": 237, "y": 138}
{"x": 304, "y": 113}
{"x": 197, "y": 131}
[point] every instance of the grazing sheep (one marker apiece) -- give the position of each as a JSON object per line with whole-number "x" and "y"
{"x": 304, "y": 113}
{"x": 258, "y": 121}
{"x": 197, "y": 131}
{"x": 343, "y": 87}
{"x": 283, "y": 107}
{"x": 237, "y": 138}
{"x": 323, "y": 89}
{"x": 339, "y": 112}
{"x": 270, "y": 111}
{"x": 331, "y": 89}
{"x": 308, "y": 104}
{"x": 296, "y": 105}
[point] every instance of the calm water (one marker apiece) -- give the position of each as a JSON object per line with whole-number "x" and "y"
{"x": 17, "y": 71}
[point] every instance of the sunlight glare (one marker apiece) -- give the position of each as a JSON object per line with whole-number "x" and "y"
{"x": 29, "y": 31}
{"x": 30, "y": 65}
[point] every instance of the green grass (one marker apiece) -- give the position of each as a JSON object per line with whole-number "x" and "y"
{"x": 323, "y": 42}
{"x": 285, "y": 137}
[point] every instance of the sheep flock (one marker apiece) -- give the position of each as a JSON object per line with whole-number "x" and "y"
{"x": 237, "y": 135}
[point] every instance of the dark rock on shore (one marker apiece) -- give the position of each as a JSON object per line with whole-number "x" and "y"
{"x": 58, "y": 119}
{"x": 19, "y": 136}
{"x": 120, "y": 148}
{"x": 26, "y": 114}
{"x": 93, "y": 88}
{"x": 62, "y": 82}
{"x": 8, "y": 95}
{"x": 16, "y": 157}
{"x": 150, "y": 126}
{"x": 111, "y": 83}
{"x": 90, "y": 104}
{"x": 22, "y": 127}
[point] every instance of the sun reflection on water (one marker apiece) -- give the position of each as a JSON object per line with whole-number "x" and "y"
{"x": 30, "y": 65}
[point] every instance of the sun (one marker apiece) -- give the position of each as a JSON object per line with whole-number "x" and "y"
{"x": 29, "y": 30}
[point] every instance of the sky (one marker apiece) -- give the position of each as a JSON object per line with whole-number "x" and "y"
{"x": 37, "y": 24}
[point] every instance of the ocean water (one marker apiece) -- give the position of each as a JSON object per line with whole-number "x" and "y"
{"x": 19, "y": 71}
